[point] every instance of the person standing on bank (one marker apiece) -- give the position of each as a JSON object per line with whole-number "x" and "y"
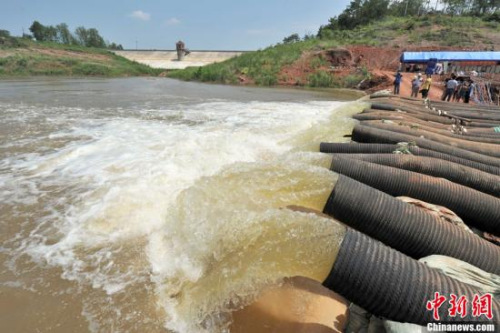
{"x": 467, "y": 91}
{"x": 451, "y": 85}
{"x": 415, "y": 86}
{"x": 397, "y": 82}
{"x": 426, "y": 86}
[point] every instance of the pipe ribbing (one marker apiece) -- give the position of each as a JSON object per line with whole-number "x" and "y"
{"x": 489, "y": 149}
{"x": 385, "y": 148}
{"x": 392, "y": 285}
{"x": 475, "y": 208}
{"x": 459, "y": 174}
{"x": 365, "y": 134}
{"x": 400, "y": 116}
{"x": 420, "y": 115}
{"x": 480, "y": 115}
{"x": 405, "y": 227}
{"x": 410, "y": 125}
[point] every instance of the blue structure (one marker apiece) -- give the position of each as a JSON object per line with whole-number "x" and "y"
{"x": 441, "y": 56}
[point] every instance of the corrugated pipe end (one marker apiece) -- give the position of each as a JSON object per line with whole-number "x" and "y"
{"x": 389, "y": 284}
{"x": 380, "y": 106}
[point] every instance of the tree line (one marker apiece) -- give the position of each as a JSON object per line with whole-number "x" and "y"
{"x": 361, "y": 12}
{"x": 61, "y": 34}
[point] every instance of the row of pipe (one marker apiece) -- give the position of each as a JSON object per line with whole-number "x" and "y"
{"x": 404, "y": 148}
{"x": 377, "y": 148}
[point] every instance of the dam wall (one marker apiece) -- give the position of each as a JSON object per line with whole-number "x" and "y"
{"x": 167, "y": 59}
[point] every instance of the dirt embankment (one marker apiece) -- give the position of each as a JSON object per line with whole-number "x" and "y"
{"x": 375, "y": 66}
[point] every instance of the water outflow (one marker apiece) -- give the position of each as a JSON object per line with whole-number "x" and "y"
{"x": 138, "y": 218}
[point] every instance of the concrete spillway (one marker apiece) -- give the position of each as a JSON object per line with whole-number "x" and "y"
{"x": 168, "y": 59}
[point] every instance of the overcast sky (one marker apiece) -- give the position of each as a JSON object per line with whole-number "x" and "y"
{"x": 158, "y": 24}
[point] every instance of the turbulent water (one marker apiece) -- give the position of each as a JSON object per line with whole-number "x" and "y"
{"x": 151, "y": 205}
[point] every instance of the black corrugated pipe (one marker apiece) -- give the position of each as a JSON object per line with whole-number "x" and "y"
{"x": 357, "y": 148}
{"x": 411, "y": 127}
{"x": 419, "y": 115}
{"x": 445, "y": 106}
{"x": 475, "y": 208}
{"x": 389, "y": 284}
{"x": 484, "y": 130}
{"x": 385, "y": 148}
{"x": 393, "y": 105}
{"x": 487, "y": 133}
{"x": 480, "y": 124}
{"x": 405, "y": 227}
{"x": 396, "y": 105}
{"x": 388, "y": 97}
{"x": 495, "y": 116}
{"x": 410, "y": 123}
{"x": 489, "y": 149}
{"x": 426, "y": 114}
{"x": 365, "y": 134}
{"x": 484, "y": 135}
{"x": 471, "y": 107}
{"x": 386, "y": 107}
{"x": 407, "y": 110}
{"x": 473, "y": 178}
{"x": 400, "y": 116}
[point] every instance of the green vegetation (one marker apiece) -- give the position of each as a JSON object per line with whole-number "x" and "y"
{"x": 61, "y": 34}
{"x": 322, "y": 79}
{"x": 463, "y": 31}
{"x": 265, "y": 67}
{"x": 57, "y": 51}
{"x": 362, "y": 12}
{"x": 394, "y": 24}
{"x": 262, "y": 66}
{"x": 24, "y": 57}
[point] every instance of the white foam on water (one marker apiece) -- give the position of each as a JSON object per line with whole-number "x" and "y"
{"x": 171, "y": 183}
{"x": 232, "y": 238}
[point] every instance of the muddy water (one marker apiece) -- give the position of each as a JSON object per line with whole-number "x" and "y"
{"x": 151, "y": 205}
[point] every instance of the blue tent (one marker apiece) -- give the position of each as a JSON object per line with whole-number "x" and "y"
{"x": 424, "y": 57}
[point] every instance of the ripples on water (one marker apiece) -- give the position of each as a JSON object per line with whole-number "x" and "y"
{"x": 139, "y": 205}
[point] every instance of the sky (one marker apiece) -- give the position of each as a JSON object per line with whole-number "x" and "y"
{"x": 158, "y": 24}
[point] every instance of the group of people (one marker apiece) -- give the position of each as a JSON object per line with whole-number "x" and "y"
{"x": 417, "y": 84}
{"x": 456, "y": 89}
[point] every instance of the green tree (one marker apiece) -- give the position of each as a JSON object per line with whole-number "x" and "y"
{"x": 481, "y": 7}
{"x": 89, "y": 37}
{"x": 114, "y": 46}
{"x": 471, "y": 7}
{"x": 291, "y": 39}
{"x": 94, "y": 39}
{"x": 308, "y": 36}
{"x": 50, "y": 33}
{"x": 406, "y": 7}
{"x": 361, "y": 12}
{"x": 61, "y": 34}
{"x": 81, "y": 35}
{"x": 4, "y": 33}
{"x": 37, "y": 29}
{"x": 64, "y": 36}
{"x": 43, "y": 33}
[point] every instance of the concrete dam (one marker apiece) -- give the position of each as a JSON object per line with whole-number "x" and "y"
{"x": 167, "y": 59}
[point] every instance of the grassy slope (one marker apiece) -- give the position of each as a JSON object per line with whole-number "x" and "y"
{"x": 261, "y": 66}
{"x": 264, "y": 67}
{"x": 27, "y": 58}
